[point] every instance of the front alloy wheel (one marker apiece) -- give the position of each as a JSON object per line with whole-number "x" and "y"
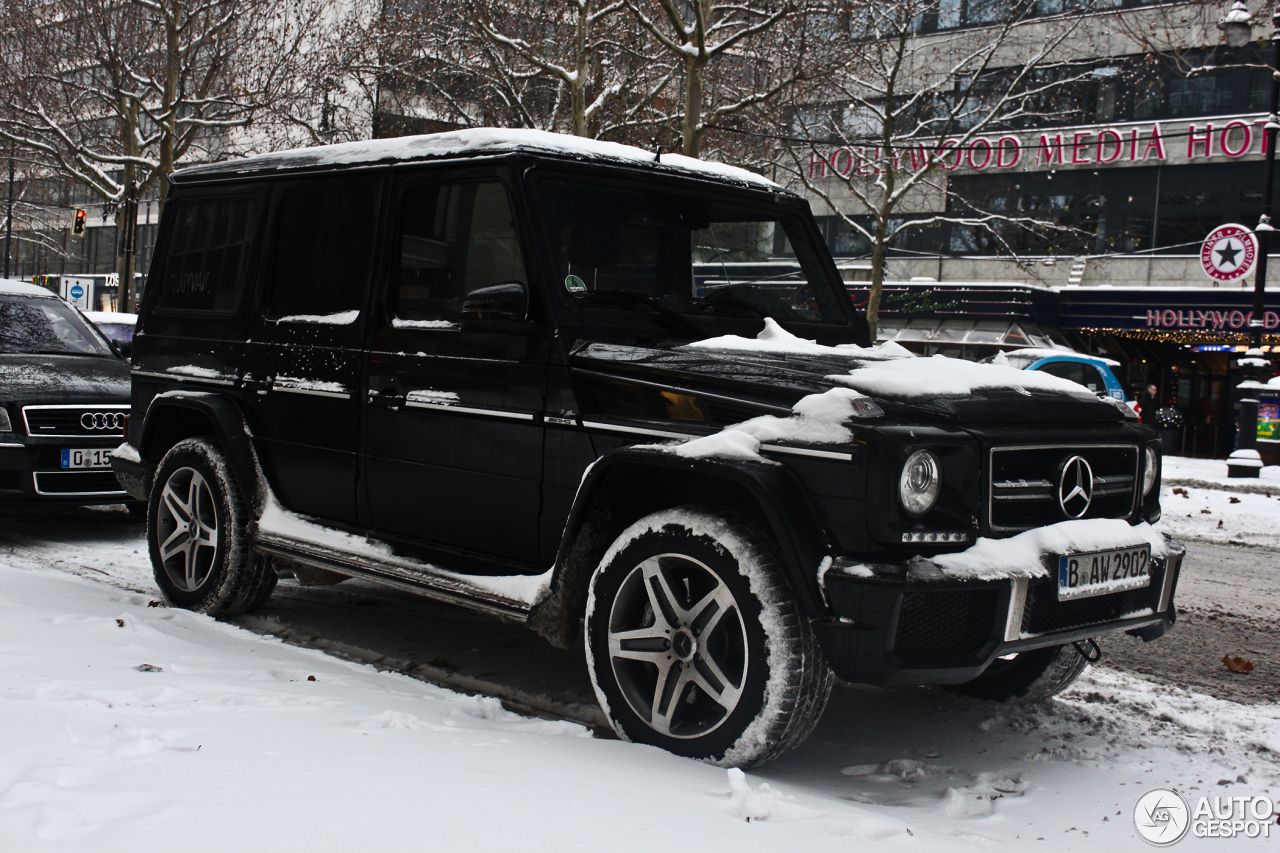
{"x": 678, "y": 646}
{"x": 695, "y": 642}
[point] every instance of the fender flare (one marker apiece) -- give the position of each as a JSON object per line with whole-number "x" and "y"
{"x": 230, "y": 429}
{"x": 784, "y": 509}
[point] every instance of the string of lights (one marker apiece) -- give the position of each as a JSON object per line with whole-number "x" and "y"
{"x": 1181, "y": 337}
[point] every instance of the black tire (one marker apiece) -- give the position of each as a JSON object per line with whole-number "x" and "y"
{"x": 267, "y": 580}
{"x": 1029, "y": 677}
{"x": 212, "y": 571}
{"x": 136, "y": 510}
{"x": 706, "y": 604}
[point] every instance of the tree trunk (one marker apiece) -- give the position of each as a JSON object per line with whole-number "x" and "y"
{"x": 126, "y": 289}
{"x": 578, "y": 89}
{"x": 878, "y": 251}
{"x": 169, "y": 127}
{"x": 691, "y": 128}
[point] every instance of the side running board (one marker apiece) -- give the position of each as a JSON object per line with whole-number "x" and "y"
{"x": 402, "y": 573}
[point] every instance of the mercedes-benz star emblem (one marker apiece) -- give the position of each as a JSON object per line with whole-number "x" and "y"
{"x": 1075, "y": 487}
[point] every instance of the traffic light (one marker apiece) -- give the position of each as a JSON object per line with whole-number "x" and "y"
{"x": 78, "y": 228}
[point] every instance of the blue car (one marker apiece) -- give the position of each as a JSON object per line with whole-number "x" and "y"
{"x": 1091, "y": 371}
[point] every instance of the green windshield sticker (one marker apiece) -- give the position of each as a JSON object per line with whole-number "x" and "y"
{"x": 573, "y": 284}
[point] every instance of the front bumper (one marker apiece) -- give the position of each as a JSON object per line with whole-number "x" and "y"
{"x": 898, "y": 624}
{"x": 31, "y": 471}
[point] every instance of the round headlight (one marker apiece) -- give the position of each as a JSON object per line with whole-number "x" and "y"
{"x": 1150, "y": 470}
{"x": 920, "y": 482}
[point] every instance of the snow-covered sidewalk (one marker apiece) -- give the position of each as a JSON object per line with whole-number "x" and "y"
{"x": 1212, "y": 473}
{"x": 139, "y": 728}
{"x": 1199, "y": 501}
{"x": 131, "y": 727}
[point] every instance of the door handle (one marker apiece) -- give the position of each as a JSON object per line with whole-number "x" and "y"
{"x": 390, "y": 398}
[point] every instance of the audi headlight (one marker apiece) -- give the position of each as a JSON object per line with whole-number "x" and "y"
{"x": 920, "y": 482}
{"x": 1150, "y": 470}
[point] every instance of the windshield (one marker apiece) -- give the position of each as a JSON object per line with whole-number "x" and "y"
{"x": 669, "y": 252}
{"x": 38, "y": 325}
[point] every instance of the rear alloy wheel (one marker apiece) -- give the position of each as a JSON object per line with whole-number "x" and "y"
{"x": 187, "y": 529}
{"x": 196, "y": 534}
{"x": 696, "y": 645}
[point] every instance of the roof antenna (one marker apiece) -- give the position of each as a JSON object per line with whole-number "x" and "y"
{"x": 657, "y": 151}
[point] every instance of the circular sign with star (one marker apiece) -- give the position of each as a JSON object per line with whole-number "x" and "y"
{"x": 1229, "y": 253}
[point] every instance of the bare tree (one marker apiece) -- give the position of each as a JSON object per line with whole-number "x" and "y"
{"x": 31, "y": 216}
{"x": 698, "y": 33}
{"x": 568, "y": 44}
{"x": 113, "y": 93}
{"x": 904, "y": 108}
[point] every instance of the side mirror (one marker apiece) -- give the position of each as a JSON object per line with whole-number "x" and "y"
{"x": 508, "y": 301}
{"x": 125, "y": 348}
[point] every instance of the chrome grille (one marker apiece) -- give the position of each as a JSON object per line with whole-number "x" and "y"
{"x": 77, "y": 483}
{"x": 76, "y": 421}
{"x": 1024, "y": 483}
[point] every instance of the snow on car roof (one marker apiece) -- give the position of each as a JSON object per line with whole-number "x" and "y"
{"x": 99, "y": 317}
{"x": 1046, "y": 352}
{"x": 22, "y": 288}
{"x": 463, "y": 143}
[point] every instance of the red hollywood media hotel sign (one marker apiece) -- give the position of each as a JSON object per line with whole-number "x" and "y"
{"x": 1213, "y": 319}
{"x": 1118, "y": 145}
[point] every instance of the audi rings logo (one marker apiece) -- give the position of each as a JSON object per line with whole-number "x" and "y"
{"x": 106, "y": 421}
{"x": 1075, "y": 487}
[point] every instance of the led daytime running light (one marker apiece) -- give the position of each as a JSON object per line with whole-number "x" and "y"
{"x": 934, "y": 536}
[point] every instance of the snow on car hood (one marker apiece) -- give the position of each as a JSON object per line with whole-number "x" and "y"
{"x": 777, "y": 368}
{"x": 891, "y": 371}
{"x": 52, "y": 379}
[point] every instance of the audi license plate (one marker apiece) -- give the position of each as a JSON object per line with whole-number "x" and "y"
{"x": 98, "y": 457}
{"x": 1101, "y": 572}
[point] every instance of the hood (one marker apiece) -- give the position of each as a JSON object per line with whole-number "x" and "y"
{"x": 777, "y": 369}
{"x": 52, "y": 379}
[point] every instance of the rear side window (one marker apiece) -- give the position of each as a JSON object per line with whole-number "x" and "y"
{"x": 454, "y": 239}
{"x": 207, "y": 249}
{"x": 324, "y": 233}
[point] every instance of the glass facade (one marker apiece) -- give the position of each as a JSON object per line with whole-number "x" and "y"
{"x": 1102, "y": 211}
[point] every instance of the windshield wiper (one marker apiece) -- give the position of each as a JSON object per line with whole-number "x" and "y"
{"x": 630, "y": 299}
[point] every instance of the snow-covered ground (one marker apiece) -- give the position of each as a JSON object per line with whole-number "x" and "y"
{"x": 1179, "y": 469}
{"x": 131, "y": 727}
{"x": 1196, "y": 503}
{"x": 136, "y": 728}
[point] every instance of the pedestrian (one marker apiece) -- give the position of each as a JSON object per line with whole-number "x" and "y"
{"x": 1148, "y": 402}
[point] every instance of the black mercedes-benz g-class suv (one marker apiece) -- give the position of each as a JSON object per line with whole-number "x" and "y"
{"x": 578, "y": 384}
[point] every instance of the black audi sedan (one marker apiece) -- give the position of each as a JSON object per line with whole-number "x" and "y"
{"x": 64, "y": 398}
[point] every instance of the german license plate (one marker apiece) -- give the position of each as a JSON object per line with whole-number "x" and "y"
{"x": 1101, "y": 572}
{"x": 97, "y": 457}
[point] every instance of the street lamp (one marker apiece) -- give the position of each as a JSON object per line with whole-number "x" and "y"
{"x": 1237, "y": 27}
